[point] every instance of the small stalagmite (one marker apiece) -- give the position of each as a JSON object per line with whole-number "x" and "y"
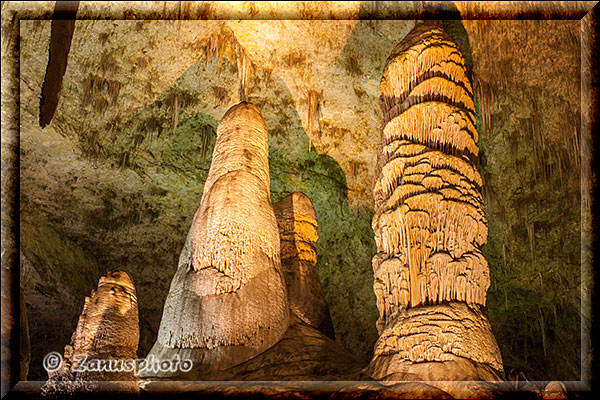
{"x": 227, "y": 301}
{"x": 297, "y": 223}
{"x": 104, "y": 344}
{"x": 430, "y": 276}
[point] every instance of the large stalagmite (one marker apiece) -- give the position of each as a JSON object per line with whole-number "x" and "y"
{"x": 297, "y": 223}
{"x": 107, "y": 329}
{"x": 228, "y": 301}
{"x": 306, "y": 351}
{"x": 430, "y": 275}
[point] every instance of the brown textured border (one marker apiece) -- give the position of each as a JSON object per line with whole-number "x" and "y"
{"x": 590, "y": 126}
{"x": 14, "y": 12}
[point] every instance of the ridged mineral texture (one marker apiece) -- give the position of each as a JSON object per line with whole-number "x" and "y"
{"x": 104, "y": 344}
{"x": 228, "y": 301}
{"x": 297, "y": 223}
{"x": 430, "y": 276}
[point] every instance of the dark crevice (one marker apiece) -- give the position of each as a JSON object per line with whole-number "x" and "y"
{"x": 63, "y": 26}
{"x": 447, "y": 148}
{"x": 388, "y": 102}
{"x": 412, "y": 100}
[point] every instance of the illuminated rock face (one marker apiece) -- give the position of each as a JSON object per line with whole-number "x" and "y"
{"x": 306, "y": 351}
{"x": 429, "y": 220}
{"x": 297, "y": 223}
{"x": 107, "y": 329}
{"x": 228, "y": 301}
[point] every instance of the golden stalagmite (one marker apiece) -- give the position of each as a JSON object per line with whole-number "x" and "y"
{"x": 297, "y": 222}
{"x": 108, "y": 329}
{"x": 228, "y": 300}
{"x": 430, "y": 276}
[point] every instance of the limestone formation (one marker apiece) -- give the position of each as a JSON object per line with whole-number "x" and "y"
{"x": 104, "y": 344}
{"x": 454, "y": 336}
{"x": 297, "y": 223}
{"x": 228, "y": 301}
{"x": 555, "y": 390}
{"x": 429, "y": 220}
{"x": 303, "y": 354}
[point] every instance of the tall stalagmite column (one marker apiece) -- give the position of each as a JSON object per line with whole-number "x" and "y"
{"x": 228, "y": 300}
{"x": 430, "y": 275}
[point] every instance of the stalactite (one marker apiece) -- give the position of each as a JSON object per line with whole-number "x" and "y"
{"x": 175, "y": 112}
{"x": 205, "y": 136}
{"x": 543, "y": 331}
{"x": 244, "y": 65}
{"x": 224, "y": 44}
{"x": 504, "y": 257}
{"x": 531, "y": 234}
{"x": 312, "y": 112}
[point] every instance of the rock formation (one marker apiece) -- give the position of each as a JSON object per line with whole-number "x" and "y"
{"x": 305, "y": 352}
{"x": 297, "y": 223}
{"x": 555, "y": 390}
{"x": 430, "y": 276}
{"x": 107, "y": 329}
{"x": 228, "y": 301}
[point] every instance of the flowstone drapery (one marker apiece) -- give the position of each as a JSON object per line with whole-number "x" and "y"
{"x": 430, "y": 276}
{"x": 228, "y": 301}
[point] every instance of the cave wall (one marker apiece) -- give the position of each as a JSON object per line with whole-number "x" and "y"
{"x": 113, "y": 181}
{"x": 529, "y": 103}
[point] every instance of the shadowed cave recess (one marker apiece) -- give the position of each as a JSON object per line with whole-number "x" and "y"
{"x": 114, "y": 181}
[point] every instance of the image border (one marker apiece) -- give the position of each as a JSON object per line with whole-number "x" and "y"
{"x": 585, "y": 12}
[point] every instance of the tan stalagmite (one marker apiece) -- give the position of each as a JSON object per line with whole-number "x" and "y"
{"x": 307, "y": 351}
{"x": 297, "y": 222}
{"x": 228, "y": 300}
{"x": 430, "y": 276}
{"x": 108, "y": 329}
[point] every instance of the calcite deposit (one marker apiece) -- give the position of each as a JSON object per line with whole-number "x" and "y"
{"x": 431, "y": 276}
{"x": 228, "y": 301}
{"x": 107, "y": 331}
{"x": 297, "y": 223}
{"x": 307, "y": 351}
